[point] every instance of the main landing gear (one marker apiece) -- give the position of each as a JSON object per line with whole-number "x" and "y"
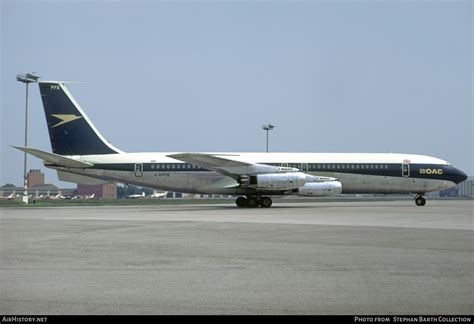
{"x": 420, "y": 200}
{"x": 253, "y": 202}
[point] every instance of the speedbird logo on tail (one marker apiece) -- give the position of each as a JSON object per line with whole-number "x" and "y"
{"x": 65, "y": 119}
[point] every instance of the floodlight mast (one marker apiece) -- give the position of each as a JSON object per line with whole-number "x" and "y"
{"x": 267, "y": 128}
{"x": 26, "y": 79}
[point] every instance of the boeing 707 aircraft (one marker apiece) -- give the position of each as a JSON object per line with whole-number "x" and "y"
{"x": 81, "y": 154}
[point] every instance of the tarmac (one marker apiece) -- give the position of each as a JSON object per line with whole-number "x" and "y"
{"x": 386, "y": 257}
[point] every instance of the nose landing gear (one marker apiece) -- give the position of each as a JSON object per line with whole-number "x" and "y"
{"x": 420, "y": 200}
{"x": 254, "y": 202}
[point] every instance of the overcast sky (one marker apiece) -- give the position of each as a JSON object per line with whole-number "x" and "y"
{"x": 334, "y": 76}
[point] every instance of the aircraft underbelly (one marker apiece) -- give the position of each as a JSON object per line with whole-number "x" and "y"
{"x": 358, "y": 183}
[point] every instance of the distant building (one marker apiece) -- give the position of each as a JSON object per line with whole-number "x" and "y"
{"x": 43, "y": 188}
{"x": 35, "y": 178}
{"x": 463, "y": 189}
{"x": 107, "y": 191}
{"x": 172, "y": 194}
{"x": 466, "y": 188}
{"x": 451, "y": 192}
{"x": 38, "y": 190}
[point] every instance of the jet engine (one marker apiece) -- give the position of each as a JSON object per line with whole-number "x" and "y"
{"x": 278, "y": 181}
{"x": 319, "y": 189}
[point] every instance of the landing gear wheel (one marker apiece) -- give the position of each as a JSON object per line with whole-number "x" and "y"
{"x": 252, "y": 202}
{"x": 420, "y": 201}
{"x": 265, "y": 202}
{"x": 241, "y": 202}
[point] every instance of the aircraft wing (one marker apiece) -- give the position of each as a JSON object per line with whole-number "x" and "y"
{"x": 224, "y": 165}
{"x": 55, "y": 158}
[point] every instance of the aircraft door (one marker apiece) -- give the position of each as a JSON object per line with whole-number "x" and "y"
{"x": 405, "y": 170}
{"x": 138, "y": 169}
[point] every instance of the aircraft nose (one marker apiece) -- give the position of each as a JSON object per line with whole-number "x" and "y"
{"x": 459, "y": 176}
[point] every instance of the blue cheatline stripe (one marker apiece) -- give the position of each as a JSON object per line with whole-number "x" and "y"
{"x": 373, "y": 169}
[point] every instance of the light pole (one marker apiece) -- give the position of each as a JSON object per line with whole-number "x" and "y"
{"x": 26, "y": 79}
{"x": 267, "y": 128}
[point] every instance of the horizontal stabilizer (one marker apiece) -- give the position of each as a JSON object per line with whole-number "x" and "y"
{"x": 55, "y": 158}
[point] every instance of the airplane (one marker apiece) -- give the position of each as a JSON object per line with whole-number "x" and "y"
{"x": 157, "y": 194}
{"x": 81, "y": 154}
{"x": 137, "y": 196}
{"x": 57, "y": 197}
{"x": 44, "y": 197}
{"x": 10, "y": 197}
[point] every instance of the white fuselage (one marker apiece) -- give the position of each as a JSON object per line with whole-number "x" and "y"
{"x": 358, "y": 173}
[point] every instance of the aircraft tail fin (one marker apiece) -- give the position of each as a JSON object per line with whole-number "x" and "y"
{"x": 70, "y": 130}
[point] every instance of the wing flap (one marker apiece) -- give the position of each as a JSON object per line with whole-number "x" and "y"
{"x": 223, "y": 165}
{"x": 224, "y": 183}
